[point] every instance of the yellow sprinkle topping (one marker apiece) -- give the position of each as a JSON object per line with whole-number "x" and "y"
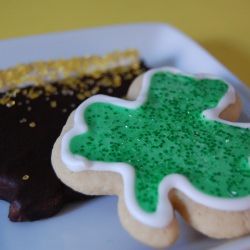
{"x": 38, "y": 73}
{"x": 69, "y": 73}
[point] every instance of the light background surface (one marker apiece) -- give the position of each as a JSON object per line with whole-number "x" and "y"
{"x": 220, "y": 26}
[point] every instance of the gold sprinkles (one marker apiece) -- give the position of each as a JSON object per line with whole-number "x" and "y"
{"x": 38, "y": 73}
{"x": 23, "y": 120}
{"x": 67, "y": 72}
{"x": 25, "y": 177}
{"x": 10, "y": 103}
{"x": 53, "y": 104}
{"x": 32, "y": 124}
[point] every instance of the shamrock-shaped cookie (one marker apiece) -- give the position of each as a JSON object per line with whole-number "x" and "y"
{"x": 174, "y": 145}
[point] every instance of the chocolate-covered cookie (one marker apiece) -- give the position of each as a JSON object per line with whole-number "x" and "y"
{"x": 35, "y": 102}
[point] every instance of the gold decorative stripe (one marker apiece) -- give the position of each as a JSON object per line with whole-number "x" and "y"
{"x": 41, "y": 72}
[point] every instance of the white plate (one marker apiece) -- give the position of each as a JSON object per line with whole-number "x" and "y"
{"x": 95, "y": 224}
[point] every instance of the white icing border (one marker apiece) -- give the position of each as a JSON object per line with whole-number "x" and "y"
{"x": 164, "y": 213}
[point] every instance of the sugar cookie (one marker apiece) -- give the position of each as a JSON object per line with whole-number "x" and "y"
{"x": 174, "y": 145}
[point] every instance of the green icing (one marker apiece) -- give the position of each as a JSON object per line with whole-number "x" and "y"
{"x": 168, "y": 134}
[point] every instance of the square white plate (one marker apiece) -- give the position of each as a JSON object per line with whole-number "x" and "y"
{"x": 95, "y": 224}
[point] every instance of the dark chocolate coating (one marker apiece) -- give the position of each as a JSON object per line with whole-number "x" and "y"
{"x": 28, "y": 130}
